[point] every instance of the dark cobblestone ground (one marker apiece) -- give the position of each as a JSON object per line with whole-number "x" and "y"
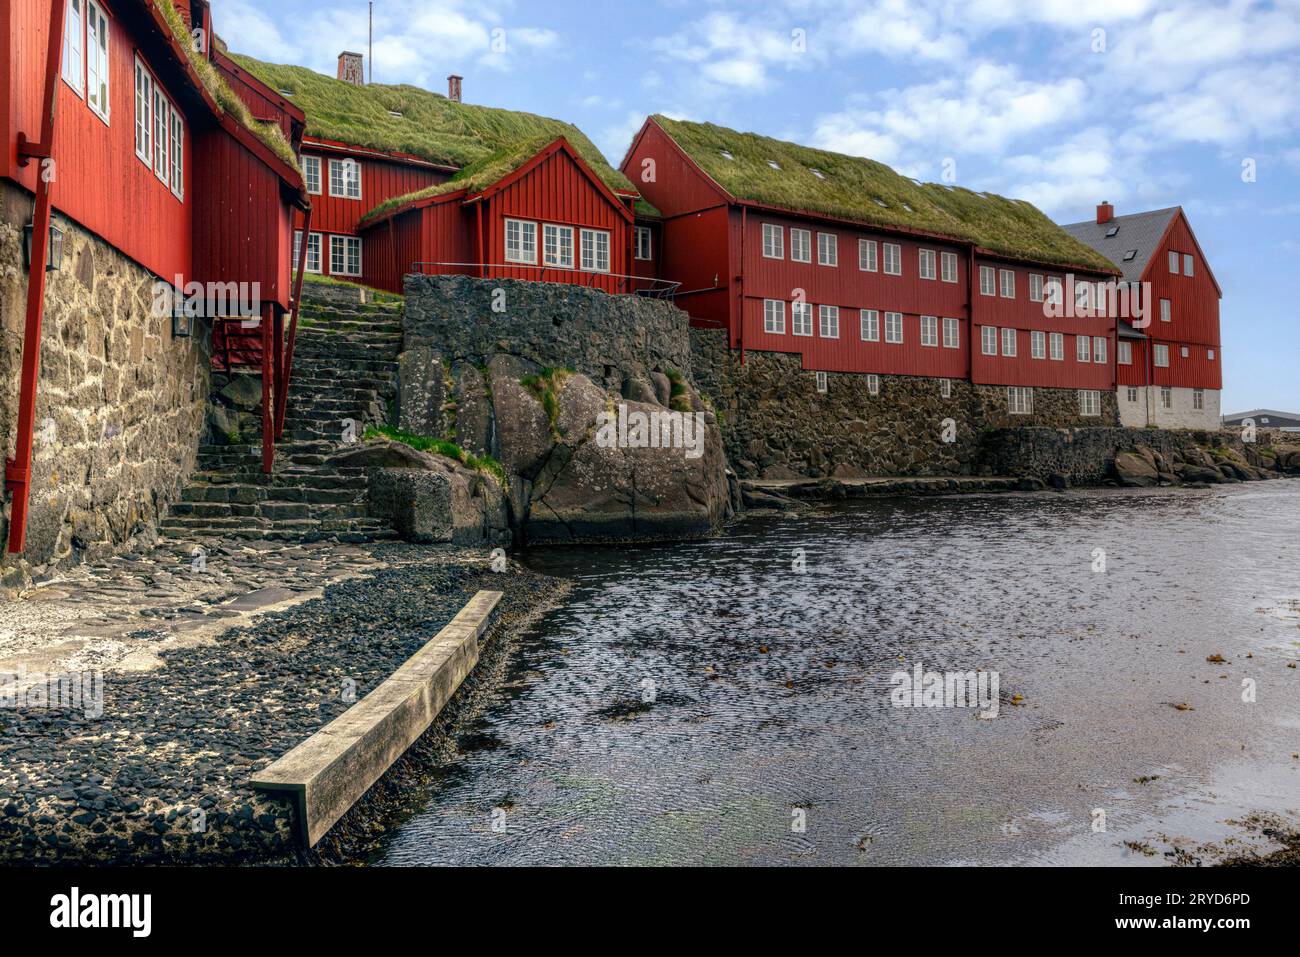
{"x": 161, "y": 775}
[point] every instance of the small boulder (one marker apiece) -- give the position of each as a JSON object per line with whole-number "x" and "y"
{"x": 244, "y": 391}
{"x": 1135, "y": 470}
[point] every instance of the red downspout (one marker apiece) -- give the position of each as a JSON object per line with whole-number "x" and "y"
{"x": 18, "y": 470}
{"x": 268, "y": 362}
{"x": 482, "y": 258}
{"x": 293, "y": 325}
{"x": 740, "y": 284}
{"x": 970, "y": 313}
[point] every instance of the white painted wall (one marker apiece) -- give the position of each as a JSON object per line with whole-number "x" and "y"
{"x": 1149, "y": 409}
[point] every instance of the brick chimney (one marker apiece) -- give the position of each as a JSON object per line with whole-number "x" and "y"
{"x": 351, "y": 69}
{"x": 1105, "y": 212}
{"x": 453, "y": 87}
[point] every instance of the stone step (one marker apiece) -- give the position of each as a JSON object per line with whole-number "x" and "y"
{"x": 273, "y": 510}
{"x": 248, "y": 494}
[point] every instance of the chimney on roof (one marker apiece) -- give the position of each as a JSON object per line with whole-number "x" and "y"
{"x": 1105, "y": 212}
{"x": 351, "y": 69}
{"x": 453, "y": 87}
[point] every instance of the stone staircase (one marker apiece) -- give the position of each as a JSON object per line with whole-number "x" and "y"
{"x": 344, "y": 368}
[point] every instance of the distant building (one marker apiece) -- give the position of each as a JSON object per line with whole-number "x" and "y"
{"x": 1266, "y": 419}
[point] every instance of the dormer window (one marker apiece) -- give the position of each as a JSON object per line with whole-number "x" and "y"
{"x": 726, "y": 154}
{"x": 818, "y": 173}
{"x": 774, "y": 164}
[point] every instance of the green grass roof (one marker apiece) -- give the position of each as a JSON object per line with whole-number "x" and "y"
{"x": 852, "y": 187}
{"x": 430, "y": 126}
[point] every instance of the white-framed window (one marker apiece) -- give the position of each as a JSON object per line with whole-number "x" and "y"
{"x": 143, "y": 113}
{"x": 828, "y": 249}
{"x": 800, "y": 245}
{"x": 1008, "y": 342}
{"x": 801, "y": 318}
{"x": 521, "y": 237}
{"x": 311, "y": 174}
{"x": 1132, "y": 393}
{"x": 925, "y": 264}
{"x": 1166, "y": 397}
{"x": 1124, "y": 353}
{"x": 894, "y": 327}
{"x": 1198, "y": 399}
{"x": 988, "y": 281}
{"x": 345, "y": 256}
{"x": 1082, "y": 299}
{"x": 822, "y": 384}
{"x": 176, "y": 147}
{"x": 1053, "y": 290}
{"x": 1089, "y": 402}
{"x": 1185, "y": 352}
{"x": 829, "y": 322}
{"x": 773, "y": 241}
{"x": 1020, "y": 400}
{"x": 870, "y": 322}
{"x": 313, "y": 251}
{"x": 1209, "y": 354}
{"x": 595, "y": 250}
{"x": 1187, "y": 264}
{"x": 1083, "y": 348}
{"x": 1007, "y": 280}
{"x": 74, "y": 35}
{"x": 873, "y": 384}
{"x": 867, "y": 255}
{"x": 1173, "y": 262}
{"x": 1038, "y": 344}
{"x": 1035, "y": 287}
{"x": 1056, "y": 343}
{"x": 893, "y": 259}
{"x": 161, "y": 107}
{"x": 1099, "y": 349}
{"x": 644, "y": 243}
{"x": 345, "y": 179}
{"x": 948, "y": 267}
{"x": 951, "y": 333}
{"x": 557, "y": 245}
{"x": 774, "y": 317}
{"x": 989, "y": 340}
{"x": 97, "y": 92}
{"x": 1166, "y": 314}
{"x": 945, "y": 388}
{"x": 930, "y": 331}
{"x": 1160, "y": 355}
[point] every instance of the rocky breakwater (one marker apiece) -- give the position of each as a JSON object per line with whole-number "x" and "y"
{"x": 1212, "y": 464}
{"x": 585, "y": 399}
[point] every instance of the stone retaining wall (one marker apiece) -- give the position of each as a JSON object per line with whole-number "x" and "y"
{"x": 120, "y": 402}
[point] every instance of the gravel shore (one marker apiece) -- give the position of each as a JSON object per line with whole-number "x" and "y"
{"x": 161, "y": 776}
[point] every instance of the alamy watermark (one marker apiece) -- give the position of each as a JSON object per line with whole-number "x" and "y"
{"x": 947, "y": 689}
{"x": 659, "y": 429}
{"x": 55, "y": 691}
{"x": 207, "y": 300}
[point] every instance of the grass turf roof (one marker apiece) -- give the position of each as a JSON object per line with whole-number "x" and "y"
{"x": 430, "y": 126}
{"x": 850, "y": 187}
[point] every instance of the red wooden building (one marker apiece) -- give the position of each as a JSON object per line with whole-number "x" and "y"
{"x": 1170, "y": 370}
{"x": 858, "y": 269}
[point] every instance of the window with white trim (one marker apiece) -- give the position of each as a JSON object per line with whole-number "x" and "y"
{"x": 595, "y": 250}
{"x": 867, "y": 255}
{"x": 1089, "y": 402}
{"x": 989, "y": 340}
{"x": 1165, "y": 311}
{"x": 930, "y": 331}
{"x": 521, "y": 237}
{"x": 1099, "y": 349}
{"x": 1082, "y": 298}
{"x": 1209, "y": 354}
{"x": 176, "y": 147}
{"x": 828, "y": 249}
{"x": 313, "y": 251}
{"x": 800, "y": 245}
{"x": 143, "y": 113}
{"x": 74, "y": 35}
{"x": 345, "y": 179}
{"x": 1007, "y": 283}
{"x": 1020, "y": 400}
{"x": 945, "y": 388}
{"x": 822, "y": 384}
{"x": 829, "y": 322}
{"x": 951, "y": 334}
{"x": 345, "y": 256}
{"x": 801, "y": 318}
{"x": 1037, "y": 344}
{"x": 1008, "y": 342}
{"x": 311, "y": 174}
{"x": 870, "y": 322}
{"x": 988, "y": 281}
{"x": 925, "y": 264}
{"x": 774, "y": 316}
{"x": 644, "y": 243}
{"x": 161, "y": 107}
{"x": 97, "y": 70}
{"x": 893, "y": 259}
{"x": 1160, "y": 355}
{"x": 1185, "y": 352}
{"x": 873, "y": 384}
{"x": 948, "y": 267}
{"x": 773, "y": 241}
{"x": 1053, "y": 290}
{"x": 1187, "y": 264}
{"x": 1132, "y": 393}
{"x": 1173, "y": 262}
{"x": 1083, "y": 348}
{"x": 557, "y": 245}
{"x": 894, "y": 327}
{"x": 1035, "y": 287}
{"x": 1056, "y": 342}
{"x": 1166, "y": 397}
{"x": 1124, "y": 353}
{"x": 1198, "y": 399}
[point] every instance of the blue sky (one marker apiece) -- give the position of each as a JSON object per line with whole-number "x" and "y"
{"x": 1146, "y": 103}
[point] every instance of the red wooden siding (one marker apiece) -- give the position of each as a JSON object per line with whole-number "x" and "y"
{"x": 381, "y": 179}
{"x": 1194, "y": 312}
{"x": 677, "y": 185}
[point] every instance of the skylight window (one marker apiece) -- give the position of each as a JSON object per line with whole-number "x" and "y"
{"x": 726, "y": 154}
{"x": 286, "y": 93}
{"x": 818, "y": 173}
{"x": 908, "y": 207}
{"x": 880, "y": 202}
{"x": 1112, "y": 231}
{"x": 1131, "y": 254}
{"x": 774, "y": 164}
{"x": 395, "y": 113}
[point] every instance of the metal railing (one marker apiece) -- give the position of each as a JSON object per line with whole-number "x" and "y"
{"x": 624, "y": 285}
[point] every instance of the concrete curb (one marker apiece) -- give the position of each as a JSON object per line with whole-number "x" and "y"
{"x": 332, "y": 769}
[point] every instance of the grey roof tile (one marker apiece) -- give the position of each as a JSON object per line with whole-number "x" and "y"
{"x": 1140, "y": 232}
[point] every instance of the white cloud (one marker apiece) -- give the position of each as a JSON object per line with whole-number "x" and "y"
{"x": 725, "y": 51}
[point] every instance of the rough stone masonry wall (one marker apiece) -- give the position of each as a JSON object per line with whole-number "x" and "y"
{"x": 777, "y": 425}
{"x": 120, "y": 402}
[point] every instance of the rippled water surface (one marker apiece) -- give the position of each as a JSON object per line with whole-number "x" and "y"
{"x": 697, "y": 703}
